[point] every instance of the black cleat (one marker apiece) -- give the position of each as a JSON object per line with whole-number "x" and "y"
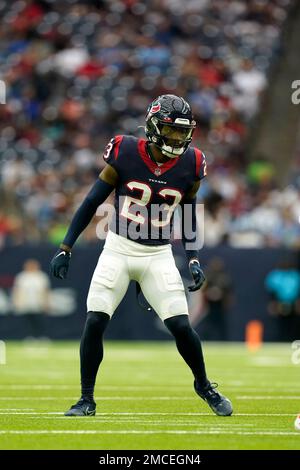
{"x": 218, "y": 403}
{"x": 82, "y": 408}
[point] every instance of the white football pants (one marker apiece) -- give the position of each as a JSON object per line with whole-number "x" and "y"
{"x": 153, "y": 267}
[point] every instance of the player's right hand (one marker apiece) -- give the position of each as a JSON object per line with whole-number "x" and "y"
{"x": 59, "y": 264}
{"x": 197, "y": 274}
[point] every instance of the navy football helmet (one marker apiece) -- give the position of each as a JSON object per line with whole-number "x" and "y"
{"x": 170, "y": 124}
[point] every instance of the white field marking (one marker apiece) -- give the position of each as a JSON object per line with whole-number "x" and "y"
{"x": 102, "y": 398}
{"x": 168, "y": 431}
{"x": 163, "y": 398}
{"x": 120, "y": 387}
{"x": 139, "y": 387}
{"x": 16, "y": 409}
{"x": 102, "y": 387}
{"x": 31, "y": 351}
{"x": 100, "y": 414}
{"x": 32, "y": 398}
{"x": 133, "y": 356}
{"x": 251, "y": 371}
{"x": 47, "y": 374}
{"x": 270, "y": 362}
{"x": 162, "y": 423}
{"x": 37, "y": 387}
{"x": 32, "y": 413}
{"x": 174, "y": 426}
{"x": 232, "y": 383}
{"x": 144, "y": 387}
{"x": 196, "y": 414}
{"x": 268, "y": 397}
{"x": 71, "y": 387}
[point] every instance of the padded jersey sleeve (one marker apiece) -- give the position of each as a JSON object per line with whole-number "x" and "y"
{"x": 111, "y": 152}
{"x": 200, "y": 165}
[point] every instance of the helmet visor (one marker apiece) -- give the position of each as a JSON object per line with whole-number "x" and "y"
{"x": 174, "y": 135}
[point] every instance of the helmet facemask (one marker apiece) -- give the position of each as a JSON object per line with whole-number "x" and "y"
{"x": 171, "y": 138}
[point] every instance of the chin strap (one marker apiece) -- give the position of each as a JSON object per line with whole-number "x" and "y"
{"x": 170, "y": 154}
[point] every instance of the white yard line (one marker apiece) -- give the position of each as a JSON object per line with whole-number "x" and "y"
{"x": 143, "y": 387}
{"x": 147, "y": 423}
{"x": 16, "y": 409}
{"x": 151, "y": 398}
{"x": 30, "y": 413}
{"x": 161, "y": 422}
{"x": 101, "y": 414}
{"x": 134, "y": 398}
{"x": 268, "y": 397}
{"x": 136, "y": 431}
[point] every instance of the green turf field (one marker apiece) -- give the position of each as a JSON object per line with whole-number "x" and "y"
{"x": 146, "y": 400}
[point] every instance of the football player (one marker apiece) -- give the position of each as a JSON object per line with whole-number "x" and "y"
{"x": 164, "y": 171}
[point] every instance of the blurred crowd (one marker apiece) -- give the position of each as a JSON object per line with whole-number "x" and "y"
{"x": 79, "y": 72}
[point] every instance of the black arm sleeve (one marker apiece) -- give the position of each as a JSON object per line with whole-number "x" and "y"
{"x": 189, "y": 227}
{"x": 97, "y": 195}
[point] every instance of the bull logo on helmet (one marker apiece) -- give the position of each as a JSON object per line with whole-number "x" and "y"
{"x": 155, "y": 108}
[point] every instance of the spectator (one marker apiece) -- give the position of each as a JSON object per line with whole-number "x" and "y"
{"x": 249, "y": 83}
{"x": 283, "y": 287}
{"x": 78, "y": 73}
{"x": 218, "y": 297}
{"x": 30, "y": 297}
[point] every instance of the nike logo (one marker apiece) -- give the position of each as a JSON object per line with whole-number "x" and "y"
{"x": 61, "y": 253}
{"x": 89, "y": 412}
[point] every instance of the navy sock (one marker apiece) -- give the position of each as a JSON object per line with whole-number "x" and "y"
{"x": 91, "y": 351}
{"x": 189, "y": 346}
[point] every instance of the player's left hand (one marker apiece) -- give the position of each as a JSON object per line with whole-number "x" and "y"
{"x": 197, "y": 274}
{"x": 60, "y": 264}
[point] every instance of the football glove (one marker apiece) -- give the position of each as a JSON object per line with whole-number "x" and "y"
{"x": 59, "y": 264}
{"x": 197, "y": 274}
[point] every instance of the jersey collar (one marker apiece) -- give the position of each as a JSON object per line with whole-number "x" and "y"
{"x": 157, "y": 170}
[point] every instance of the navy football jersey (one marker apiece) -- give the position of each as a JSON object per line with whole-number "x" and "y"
{"x": 147, "y": 193}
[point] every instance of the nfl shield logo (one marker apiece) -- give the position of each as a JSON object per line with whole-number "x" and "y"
{"x": 157, "y": 171}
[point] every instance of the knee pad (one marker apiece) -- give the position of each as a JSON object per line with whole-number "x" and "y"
{"x": 178, "y": 325}
{"x": 98, "y": 320}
